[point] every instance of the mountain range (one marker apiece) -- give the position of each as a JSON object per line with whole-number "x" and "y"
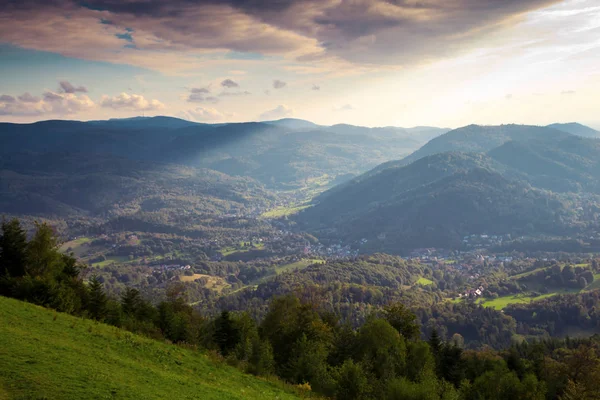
{"x": 279, "y": 154}
{"x": 510, "y": 179}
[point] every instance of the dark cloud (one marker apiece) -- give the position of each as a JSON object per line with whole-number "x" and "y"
{"x": 67, "y": 87}
{"x": 228, "y": 83}
{"x": 7, "y": 99}
{"x": 51, "y": 96}
{"x": 315, "y": 87}
{"x": 28, "y": 98}
{"x": 201, "y": 95}
{"x": 240, "y": 93}
{"x": 199, "y": 90}
{"x": 277, "y": 84}
{"x": 200, "y": 98}
{"x": 361, "y": 31}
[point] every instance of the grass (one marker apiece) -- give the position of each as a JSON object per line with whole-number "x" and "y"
{"x": 225, "y": 251}
{"x": 77, "y": 246}
{"x": 298, "y": 265}
{"x": 283, "y": 211}
{"x": 424, "y": 281}
{"x": 110, "y": 260}
{"x": 502, "y": 302}
{"x": 215, "y": 283}
{"x": 524, "y": 274}
{"x": 49, "y": 355}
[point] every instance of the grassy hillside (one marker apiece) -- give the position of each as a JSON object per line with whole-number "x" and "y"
{"x": 49, "y": 355}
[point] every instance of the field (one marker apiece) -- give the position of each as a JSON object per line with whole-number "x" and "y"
{"x": 241, "y": 248}
{"x": 504, "y": 301}
{"x": 297, "y": 265}
{"x": 213, "y": 282}
{"x": 283, "y": 211}
{"x": 49, "y": 355}
{"x": 424, "y": 281}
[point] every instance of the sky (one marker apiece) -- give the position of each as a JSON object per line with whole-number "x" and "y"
{"x": 446, "y": 63}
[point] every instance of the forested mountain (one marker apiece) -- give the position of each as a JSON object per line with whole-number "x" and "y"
{"x": 507, "y": 179}
{"x": 75, "y": 184}
{"x": 477, "y": 138}
{"x": 280, "y": 154}
{"x": 576, "y": 129}
{"x": 434, "y": 201}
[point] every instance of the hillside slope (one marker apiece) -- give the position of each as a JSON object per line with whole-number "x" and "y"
{"x": 280, "y": 154}
{"x": 434, "y": 201}
{"x": 51, "y": 355}
{"x": 478, "y": 139}
{"x": 576, "y": 129}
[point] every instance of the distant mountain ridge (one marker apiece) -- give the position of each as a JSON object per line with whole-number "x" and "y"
{"x": 473, "y": 180}
{"x": 433, "y": 202}
{"x": 280, "y": 154}
{"x": 576, "y": 129}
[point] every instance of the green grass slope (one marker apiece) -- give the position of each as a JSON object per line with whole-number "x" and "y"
{"x": 49, "y": 355}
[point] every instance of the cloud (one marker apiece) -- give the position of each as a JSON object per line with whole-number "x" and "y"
{"x": 345, "y": 107}
{"x": 199, "y": 95}
{"x": 277, "y": 84}
{"x": 199, "y": 90}
{"x": 176, "y": 34}
{"x": 205, "y": 114}
{"x": 281, "y": 111}
{"x": 67, "y": 87}
{"x": 228, "y": 83}
{"x": 50, "y": 103}
{"x": 135, "y": 102}
{"x": 568, "y": 92}
{"x": 315, "y": 87}
{"x": 239, "y": 93}
{"x": 508, "y": 96}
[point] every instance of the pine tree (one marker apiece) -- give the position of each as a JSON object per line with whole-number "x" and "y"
{"x": 435, "y": 342}
{"x": 13, "y": 249}
{"x": 97, "y": 299}
{"x": 130, "y": 301}
{"x": 226, "y": 333}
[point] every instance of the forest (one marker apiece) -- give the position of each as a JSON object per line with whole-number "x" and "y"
{"x": 303, "y": 342}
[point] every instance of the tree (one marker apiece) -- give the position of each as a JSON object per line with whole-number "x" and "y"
{"x": 261, "y": 360}
{"x": 226, "y": 335}
{"x": 381, "y": 349}
{"x": 575, "y": 391}
{"x": 97, "y": 299}
{"x": 130, "y": 301}
{"x": 435, "y": 343}
{"x": 43, "y": 257}
{"x": 352, "y": 382}
{"x": 13, "y": 249}
{"x": 403, "y": 320}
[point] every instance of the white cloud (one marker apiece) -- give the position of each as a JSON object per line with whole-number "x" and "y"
{"x": 281, "y": 111}
{"x": 205, "y": 114}
{"x": 50, "y": 103}
{"x": 345, "y": 107}
{"x": 134, "y": 102}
